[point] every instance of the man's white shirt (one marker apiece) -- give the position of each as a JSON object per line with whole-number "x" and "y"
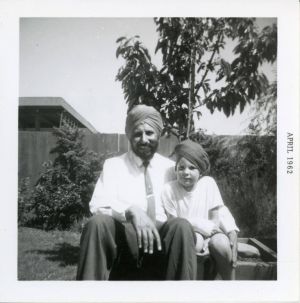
{"x": 122, "y": 185}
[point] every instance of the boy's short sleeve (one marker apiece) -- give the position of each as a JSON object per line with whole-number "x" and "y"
{"x": 168, "y": 200}
{"x": 214, "y": 195}
{"x": 227, "y": 222}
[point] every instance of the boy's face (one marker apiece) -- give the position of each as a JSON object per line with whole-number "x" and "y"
{"x": 187, "y": 174}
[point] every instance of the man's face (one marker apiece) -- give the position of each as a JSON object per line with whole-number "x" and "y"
{"x": 144, "y": 141}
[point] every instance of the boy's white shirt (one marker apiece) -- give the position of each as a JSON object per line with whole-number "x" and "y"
{"x": 196, "y": 206}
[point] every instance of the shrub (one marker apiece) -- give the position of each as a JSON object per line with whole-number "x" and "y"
{"x": 63, "y": 191}
{"x": 77, "y": 226}
{"x": 25, "y": 214}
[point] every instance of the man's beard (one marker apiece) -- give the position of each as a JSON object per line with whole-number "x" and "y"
{"x": 146, "y": 150}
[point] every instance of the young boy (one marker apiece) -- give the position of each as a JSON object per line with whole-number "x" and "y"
{"x": 196, "y": 197}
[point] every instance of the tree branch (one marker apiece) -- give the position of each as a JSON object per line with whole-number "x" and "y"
{"x": 209, "y": 63}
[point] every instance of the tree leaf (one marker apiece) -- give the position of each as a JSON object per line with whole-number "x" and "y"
{"x": 120, "y": 39}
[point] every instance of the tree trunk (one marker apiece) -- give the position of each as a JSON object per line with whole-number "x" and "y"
{"x": 191, "y": 93}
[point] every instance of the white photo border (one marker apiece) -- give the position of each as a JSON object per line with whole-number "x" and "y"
{"x": 286, "y": 288}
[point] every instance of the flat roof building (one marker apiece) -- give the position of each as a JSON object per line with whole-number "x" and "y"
{"x": 44, "y": 113}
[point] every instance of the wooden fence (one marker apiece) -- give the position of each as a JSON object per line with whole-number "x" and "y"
{"x": 35, "y": 147}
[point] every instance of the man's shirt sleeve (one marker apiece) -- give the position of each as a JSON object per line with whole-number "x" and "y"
{"x": 105, "y": 198}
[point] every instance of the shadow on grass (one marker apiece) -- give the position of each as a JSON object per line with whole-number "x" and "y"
{"x": 64, "y": 253}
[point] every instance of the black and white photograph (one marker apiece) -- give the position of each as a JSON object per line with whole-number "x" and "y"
{"x": 152, "y": 153}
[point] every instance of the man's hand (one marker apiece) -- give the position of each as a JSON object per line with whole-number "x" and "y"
{"x": 145, "y": 229}
{"x": 232, "y": 235}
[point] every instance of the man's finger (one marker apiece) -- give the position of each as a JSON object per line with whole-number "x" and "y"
{"x": 145, "y": 240}
{"x": 138, "y": 231}
{"x": 157, "y": 238}
{"x": 150, "y": 241}
{"x": 139, "y": 237}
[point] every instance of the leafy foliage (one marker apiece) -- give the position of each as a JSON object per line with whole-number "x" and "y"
{"x": 64, "y": 189}
{"x": 245, "y": 170}
{"x": 138, "y": 75}
{"x": 264, "y": 113}
{"x": 192, "y": 65}
{"x": 24, "y": 202}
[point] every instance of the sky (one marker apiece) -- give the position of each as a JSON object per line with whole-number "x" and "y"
{"x": 75, "y": 58}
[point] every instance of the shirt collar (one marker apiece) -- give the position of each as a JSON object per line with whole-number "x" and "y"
{"x": 137, "y": 160}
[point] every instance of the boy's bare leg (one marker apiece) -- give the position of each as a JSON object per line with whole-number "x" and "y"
{"x": 220, "y": 249}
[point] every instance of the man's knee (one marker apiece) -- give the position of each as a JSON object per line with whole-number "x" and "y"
{"x": 179, "y": 222}
{"x": 99, "y": 222}
{"x": 181, "y": 226}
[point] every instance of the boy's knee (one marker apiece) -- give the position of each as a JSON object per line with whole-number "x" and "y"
{"x": 220, "y": 243}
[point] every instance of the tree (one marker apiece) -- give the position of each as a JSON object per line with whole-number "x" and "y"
{"x": 264, "y": 113}
{"x": 193, "y": 72}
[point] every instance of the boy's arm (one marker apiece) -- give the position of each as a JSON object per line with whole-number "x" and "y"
{"x": 223, "y": 217}
{"x": 218, "y": 212}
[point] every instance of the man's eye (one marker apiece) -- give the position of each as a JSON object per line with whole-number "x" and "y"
{"x": 180, "y": 168}
{"x": 149, "y": 133}
{"x": 192, "y": 168}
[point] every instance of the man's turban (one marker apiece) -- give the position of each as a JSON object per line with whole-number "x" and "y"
{"x": 143, "y": 114}
{"x": 194, "y": 153}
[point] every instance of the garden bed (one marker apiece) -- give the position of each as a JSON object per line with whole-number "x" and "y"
{"x": 263, "y": 268}
{"x": 259, "y": 268}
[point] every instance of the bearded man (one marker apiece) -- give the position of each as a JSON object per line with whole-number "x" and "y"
{"x": 129, "y": 236}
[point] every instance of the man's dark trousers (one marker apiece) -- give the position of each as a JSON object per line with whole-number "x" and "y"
{"x": 109, "y": 251}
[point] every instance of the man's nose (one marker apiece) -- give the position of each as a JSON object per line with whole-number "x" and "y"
{"x": 144, "y": 138}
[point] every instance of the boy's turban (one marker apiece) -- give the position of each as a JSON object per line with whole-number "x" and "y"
{"x": 194, "y": 153}
{"x": 143, "y": 114}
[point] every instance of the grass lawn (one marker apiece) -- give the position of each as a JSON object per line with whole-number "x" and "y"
{"x": 45, "y": 255}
